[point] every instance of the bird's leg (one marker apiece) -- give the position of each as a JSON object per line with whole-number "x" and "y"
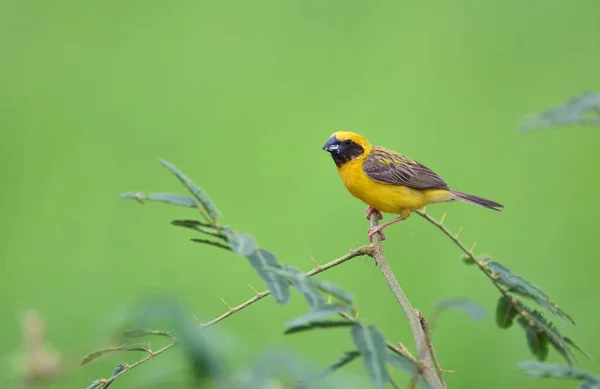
{"x": 371, "y": 210}
{"x": 378, "y": 229}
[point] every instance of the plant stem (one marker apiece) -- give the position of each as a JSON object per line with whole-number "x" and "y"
{"x": 431, "y": 374}
{"x": 363, "y": 250}
{"x": 154, "y": 354}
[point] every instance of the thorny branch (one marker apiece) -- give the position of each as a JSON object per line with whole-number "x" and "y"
{"x": 431, "y": 373}
{"x": 369, "y": 250}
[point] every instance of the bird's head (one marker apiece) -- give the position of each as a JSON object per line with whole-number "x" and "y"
{"x": 345, "y": 146}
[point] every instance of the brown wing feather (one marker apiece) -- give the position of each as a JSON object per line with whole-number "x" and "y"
{"x": 389, "y": 167}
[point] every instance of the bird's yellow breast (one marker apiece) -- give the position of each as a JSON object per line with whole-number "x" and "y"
{"x": 385, "y": 197}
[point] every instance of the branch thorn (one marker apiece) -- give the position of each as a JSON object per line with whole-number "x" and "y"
{"x": 443, "y": 217}
{"x": 473, "y": 247}
{"x": 255, "y": 291}
{"x": 225, "y": 302}
{"x": 459, "y": 232}
{"x": 315, "y": 261}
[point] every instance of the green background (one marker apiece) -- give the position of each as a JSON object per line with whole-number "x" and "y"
{"x": 241, "y": 96}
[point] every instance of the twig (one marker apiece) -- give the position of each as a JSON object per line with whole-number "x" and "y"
{"x": 429, "y": 343}
{"x": 154, "y": 354}
{"x": 434, "y": 378}
{"x": 363, "y": 250}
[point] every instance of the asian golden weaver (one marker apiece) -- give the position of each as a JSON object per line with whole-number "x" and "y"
{"x": 388, "y": 181}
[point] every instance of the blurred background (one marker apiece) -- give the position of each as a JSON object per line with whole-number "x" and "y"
{"x": 241, "y": 96}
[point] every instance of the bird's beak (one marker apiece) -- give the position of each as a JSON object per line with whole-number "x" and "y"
{"x": 332, "y": 145}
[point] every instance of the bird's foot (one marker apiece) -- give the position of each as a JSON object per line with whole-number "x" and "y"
{"x": 376, "y": 230}
{"x": 371, "y": 210}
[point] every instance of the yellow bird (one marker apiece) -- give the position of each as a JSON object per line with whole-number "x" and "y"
{"x": 388, "y": 181}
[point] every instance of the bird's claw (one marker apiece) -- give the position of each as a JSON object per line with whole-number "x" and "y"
{"x": 376, "y": 230}
{"x": 371, "y": 210}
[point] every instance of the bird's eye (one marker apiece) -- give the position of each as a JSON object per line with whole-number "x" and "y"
{"x": 347, "y": 142}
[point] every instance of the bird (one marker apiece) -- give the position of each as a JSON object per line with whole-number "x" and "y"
{"x": 390, "y": 182}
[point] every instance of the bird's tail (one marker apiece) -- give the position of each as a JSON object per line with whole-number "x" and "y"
{"x": 476, "y": 200}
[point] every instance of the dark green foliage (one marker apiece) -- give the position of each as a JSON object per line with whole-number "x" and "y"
{"x": 263, "y": 262}
{"x": 521, "y": 286}
{"x": 534, "y": 320}
{"x": 315, "y": 316}
{"x": 370, "y": 343}
{"x": 343, "y": 361}
{"x": 544, "y": 370}
{"x": 538, "y": 343}
{"x": 198, "y": 193}
{"x": 205, "y": 228}
{"x": 580, "y": 109}
{"x": 505, "y": 312}
{"x": 211, "y": 243}
{"x": 320, "y": 324}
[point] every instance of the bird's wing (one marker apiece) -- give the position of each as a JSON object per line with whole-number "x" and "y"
{"x": 389, "y": 167}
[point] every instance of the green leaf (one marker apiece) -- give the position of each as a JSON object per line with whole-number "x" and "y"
{"x": 317, "y": 315}
{"x": 95, "y": 384}
{"x": 310, "y": 287}
{"x": 263, "y": 260}
{"x": 505, "y": 312}
{"x": 319, "y": 325}
{"x": 120, "y": 367}
{"x": 332, "y": 289}
{"x": 194, "y": 189}
{"x": 346, "y": 359}
{"x": 587, "y": 384}
{"x": 535, "y": 320}
{"x": 98, "y": 353}
{"x": 302, "y": 284}
{"x": 521, "y": 286}
{"x": 544, "y": 370}
{"x": 241, "y": 243}
{"x": 538, "y": 344}
{"x": 581, "y": 109}
{"x": 474, "y": 310}
{"x": 202, "y": 227}
{"x": 211, "y": 243}
{"x": 141, "y": 332}
{"x": 137, "y": 196}
{"x": 370, "y": 343}
{"x": 168, "y": 198}
{"x": 576, "y": 347}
